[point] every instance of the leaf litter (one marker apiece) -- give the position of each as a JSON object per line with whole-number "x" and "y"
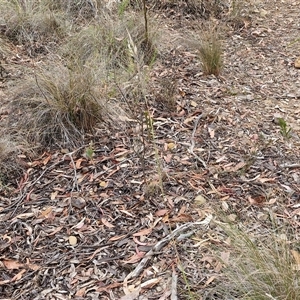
{"x": 90, "y": 229}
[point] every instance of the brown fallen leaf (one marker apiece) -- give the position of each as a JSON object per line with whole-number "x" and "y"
{"x": 238, "y": 166}
{"x": 161, "y": 212}
{"x": 81, "y": 292}
{"x": 181, "y": 218}
{"x": 78, "y": 163}
{"x": 135, "y": 258}
{"x": 106, "y": 223}
{"x": 132, "y": 295}
{"x": 32, "y": 266}
{"x": 24, "y": 216}
{"x": 145, "y": 231}
{"x": 138, "y": 242}
{"x": 296, "y": 256}
{"x": 11, "y": 264}
{"x": 109, "y": 287}
{"x": 18, "y": 276}
{"x": 46, "y": 160}
{"x": 45, "y": 213}
{"x": 263, "y": 180}
{"x": 257, "y": 200}
{"x": 116, "y": 238}
{"x": 168, "y": 158}
{"x": 209, "y": 280}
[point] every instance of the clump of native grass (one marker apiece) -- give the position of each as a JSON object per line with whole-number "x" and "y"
{"x": 166, "y": 95}
{"x": 210, "y": 53}
{"x": 10, "y": 168}
{"x": 239, "y": 14}
{"x": 61, "y": 106}
{"x": 72, "y": 95}
{"x": 80, "y": 11}
{"x": 104, "y": 40}
{"x": 29, "y": 22}
{"x": 108, "y": 38}
{"x": 260, "y": 266}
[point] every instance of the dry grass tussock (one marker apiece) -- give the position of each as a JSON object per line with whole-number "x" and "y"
{"x": 29, "y": 21}
{"x": 10, "y": 168}
{"x": 72, "y": 95}
{"x": 108, "y": 40}
{"x": 210, "y": 52}
{"x": 40, "y": 25}
{"x": 260, "y": 266}
{"x": 60, "y": 106}
{"x": 78, "y": 10}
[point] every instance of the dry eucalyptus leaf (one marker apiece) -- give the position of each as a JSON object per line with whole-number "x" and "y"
{"x": 225, "y": 205}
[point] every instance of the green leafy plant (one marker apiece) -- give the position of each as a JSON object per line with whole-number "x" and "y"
{"x": 122, "y": 6}
{"x": 284, "y": 129}
{"x": 210, "y": 53}
{"x": 90, "y": 151}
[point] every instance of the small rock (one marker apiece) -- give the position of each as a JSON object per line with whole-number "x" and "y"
{"x": 200, "y": 200}
{"x": 72, "y": 240}
{"x": 232, "y": 217}
{"x": 297, "y": 63}
{"x": 33, "y": 197}
{"x": 262, "y": 216}
{"x": 78, "y": 202}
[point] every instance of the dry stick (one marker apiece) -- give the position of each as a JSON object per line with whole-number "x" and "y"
{"x": 75, "y": 183}
{"x": 191, "y": 149}
{"x": 174, "y": 286}
{"x": 290, "y": 166}
{"x": 146, "y": 21}
{"x": 137, "y": 271}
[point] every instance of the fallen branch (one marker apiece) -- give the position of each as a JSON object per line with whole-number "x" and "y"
{"x": 156, "y": 248}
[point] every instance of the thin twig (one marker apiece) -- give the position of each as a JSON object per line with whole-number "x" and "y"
{"x": 174, "y": 286}
{"x": 191, "y": 149}
{"x": 75, "y": 183}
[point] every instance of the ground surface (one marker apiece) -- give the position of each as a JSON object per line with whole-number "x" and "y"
{"x": 222, "y": 150}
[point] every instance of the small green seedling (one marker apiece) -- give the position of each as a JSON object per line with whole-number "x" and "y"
{"x": 284, "y": 129}
{"x": 89, "y": 151}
